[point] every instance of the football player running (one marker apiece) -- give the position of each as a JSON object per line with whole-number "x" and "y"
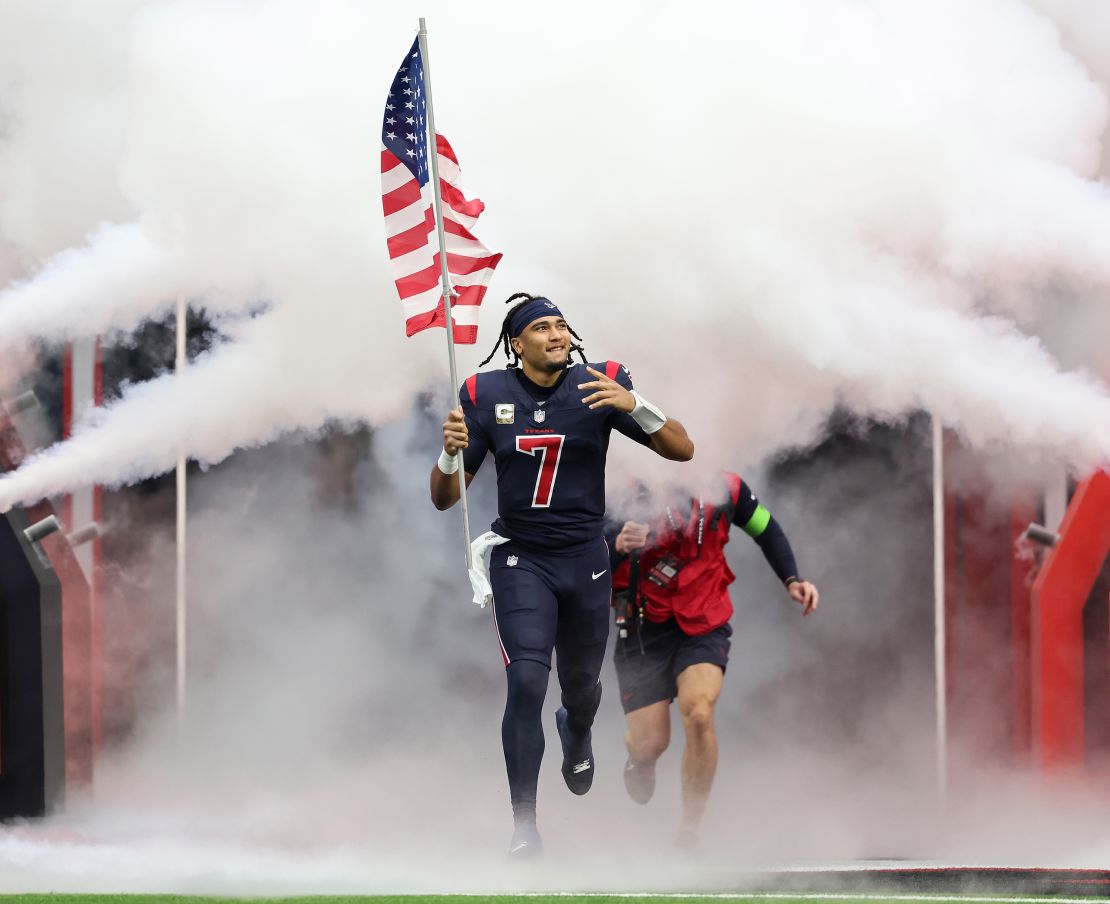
{"x": 547, "y": 422}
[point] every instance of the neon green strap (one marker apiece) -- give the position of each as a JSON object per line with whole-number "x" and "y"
{"x": 758, "y": 522}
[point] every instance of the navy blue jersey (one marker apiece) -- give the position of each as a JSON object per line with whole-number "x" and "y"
{"x": 549, "y": 453}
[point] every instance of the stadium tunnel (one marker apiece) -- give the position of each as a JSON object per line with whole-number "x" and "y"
{"x": 1027, "y": 636}
{"x": 69, "y": 670}
{"x": 1027, "y": 623}
{"x": 49, "y": 712}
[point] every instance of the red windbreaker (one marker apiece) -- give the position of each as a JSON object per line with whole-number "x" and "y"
{"x": 697, "y": 597}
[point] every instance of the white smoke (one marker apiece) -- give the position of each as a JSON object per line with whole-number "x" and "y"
{"x": 825, "y": 198}
{"x": 765, "y": 210}
{"x": 63, "y": 125}
{"x": 117, "y": 280}
{"x": 341, "y": 726}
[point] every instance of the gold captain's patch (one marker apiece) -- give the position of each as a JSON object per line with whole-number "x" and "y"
{"x": 504, "y": 412}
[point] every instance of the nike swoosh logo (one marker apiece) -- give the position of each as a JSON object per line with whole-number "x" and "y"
{"x": 523, "y": 844}
{"x": 599, "y": 574}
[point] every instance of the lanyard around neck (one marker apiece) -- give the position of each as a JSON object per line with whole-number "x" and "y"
{"x": 701, "y": 522}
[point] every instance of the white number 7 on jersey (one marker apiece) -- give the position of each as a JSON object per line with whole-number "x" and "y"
{"x": 550, "y": 447}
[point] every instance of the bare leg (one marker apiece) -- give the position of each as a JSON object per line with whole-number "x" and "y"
{"x": 649, "y": 732}
{"x": 699, "y": 686}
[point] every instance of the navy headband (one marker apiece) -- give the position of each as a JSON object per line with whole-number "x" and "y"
{"x": 532, "y": 310}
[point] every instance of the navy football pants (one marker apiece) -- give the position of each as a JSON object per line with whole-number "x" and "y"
{"x": 543, "y": 603}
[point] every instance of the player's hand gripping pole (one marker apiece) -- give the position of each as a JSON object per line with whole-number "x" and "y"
{"x": 445, "y": 277}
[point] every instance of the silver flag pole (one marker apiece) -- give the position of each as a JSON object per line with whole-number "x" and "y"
{"x": 445, "y": 276}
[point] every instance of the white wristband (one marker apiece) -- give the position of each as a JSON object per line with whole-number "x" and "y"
{"x": 448, "y": 464}
{"x": 650, "y": 418}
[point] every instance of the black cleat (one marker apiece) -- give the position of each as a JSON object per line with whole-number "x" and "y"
{"x": 578, "y": 756}
{"x": 639, "y": 780}
{"x": 526, "y": 843}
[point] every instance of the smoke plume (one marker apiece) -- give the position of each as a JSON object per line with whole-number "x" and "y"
{"x": 880, "y": 207}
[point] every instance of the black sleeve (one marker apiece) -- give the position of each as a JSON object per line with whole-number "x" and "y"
{"x": 757, "y": 522}
{"x": 478, "y": 443}
{"x": 746, "y": 505}
{"x": 777, "y": 551}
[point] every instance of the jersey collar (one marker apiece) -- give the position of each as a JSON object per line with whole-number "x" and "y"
{"x": 535, "y": 394}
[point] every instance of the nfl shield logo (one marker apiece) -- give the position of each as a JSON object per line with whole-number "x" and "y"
{"x": 538, "y": 416}
{"x": 511, "y": 561}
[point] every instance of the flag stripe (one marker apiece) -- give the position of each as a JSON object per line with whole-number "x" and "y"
{"x": 402, "y": 197}
{"x": 468, "y": 296}
{"x": 412, "y": 239}
{"x": 465, "y": 316}
{"x": 451, "y": 227}
{"x": 389, "y": 161}
{"x": 395, "y": 178}
{"x": 458, "y": 202}
{"x": 405, "y": 219}
{"x": 444, "y": 149}
{"x": 417, "y": 257}
{"x": 458, "y": 267}
{"x": 413, "y": 216}
{"x": 464, "y": 220}
{"x": 419, "y": 282}
{"x": 410, "y": 219}
{"x": 433, "y": 302}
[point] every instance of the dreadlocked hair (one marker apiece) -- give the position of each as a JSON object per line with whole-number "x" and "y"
{"x": 504, "y": 340}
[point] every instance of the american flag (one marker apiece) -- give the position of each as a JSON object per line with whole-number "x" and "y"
{"x": 410, "y": 219}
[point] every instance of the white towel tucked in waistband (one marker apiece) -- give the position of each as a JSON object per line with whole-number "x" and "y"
{"x": 479, "y": 576}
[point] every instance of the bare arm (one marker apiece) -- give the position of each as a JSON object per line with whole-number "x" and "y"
{"x": 445, "y": 487}
{"x": 671, "y": 441}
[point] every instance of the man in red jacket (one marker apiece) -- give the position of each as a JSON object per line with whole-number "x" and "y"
{"x": 670, "y": 592}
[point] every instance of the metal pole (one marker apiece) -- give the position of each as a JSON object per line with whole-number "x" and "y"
{"x": 180, "y": 364}
{"x": 448, "y": 292}
{"x": 939, "y": 621}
